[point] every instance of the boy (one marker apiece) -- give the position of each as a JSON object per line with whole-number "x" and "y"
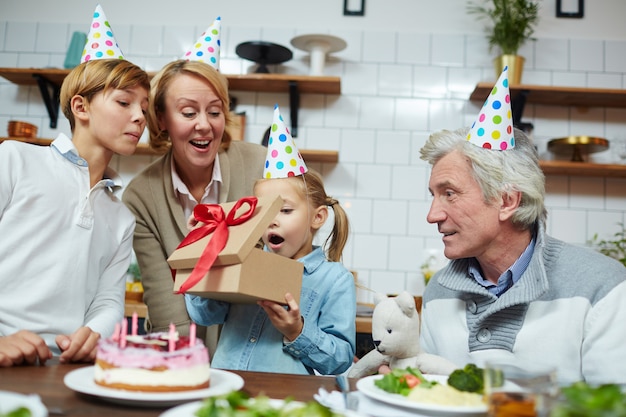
{"x": 66, "y": 239}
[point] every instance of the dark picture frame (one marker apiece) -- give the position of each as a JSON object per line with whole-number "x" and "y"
{"x": 570, "y": 8}
{"x": 354, "y": 7}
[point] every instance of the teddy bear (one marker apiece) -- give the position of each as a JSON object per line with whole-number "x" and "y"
{"x": 396, "y": 333}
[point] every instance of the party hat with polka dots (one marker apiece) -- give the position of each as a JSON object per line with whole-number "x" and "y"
{"x": 100, "y": 43}
{"x": 493, "y": 129}
{"x": 283, "y": 158}
{"x": 207, "y": 47}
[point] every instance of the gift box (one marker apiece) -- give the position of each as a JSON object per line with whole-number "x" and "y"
{"x": 241, "y": 272}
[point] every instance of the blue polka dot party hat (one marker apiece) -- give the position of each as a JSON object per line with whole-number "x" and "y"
{"x": 493, "y": 129}
{"x": 101, "y": 43}
{"x": 283, "y": 159}
{"x": 207, "y": 48}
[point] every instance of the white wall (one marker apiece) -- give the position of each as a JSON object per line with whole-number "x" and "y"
{"x": 603, "y": 18}
{"x": 408, "y": 70}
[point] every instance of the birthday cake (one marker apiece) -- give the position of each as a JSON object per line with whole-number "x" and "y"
{"x": 157, "y": 362}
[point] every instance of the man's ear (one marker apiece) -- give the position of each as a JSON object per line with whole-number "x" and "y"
{"x": 509, "y": 204}
{"x": 319, "y": 217}
{"x": 79, "y": 107}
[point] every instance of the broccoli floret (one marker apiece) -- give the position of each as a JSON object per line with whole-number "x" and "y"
{"x": 469, "y": 379}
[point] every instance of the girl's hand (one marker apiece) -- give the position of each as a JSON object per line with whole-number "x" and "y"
{"x": 288, "y": 320}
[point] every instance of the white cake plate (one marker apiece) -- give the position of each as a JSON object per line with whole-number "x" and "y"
{"x": 318, "y": 45}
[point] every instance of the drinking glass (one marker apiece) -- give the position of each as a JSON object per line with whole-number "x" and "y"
{"x": 519, "y": 392}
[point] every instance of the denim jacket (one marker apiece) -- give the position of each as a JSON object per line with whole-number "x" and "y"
{"x": 249, "y": 341}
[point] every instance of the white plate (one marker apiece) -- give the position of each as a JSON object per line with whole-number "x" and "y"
{"x": 367, "y": 387}
{"x": 9, "y": 401}
{"x": 189, "y": 409}
{"x": 81, "y": 380}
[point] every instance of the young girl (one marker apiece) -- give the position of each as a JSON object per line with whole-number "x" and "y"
{"x": 315, "y": 333}
{"x": 69, "y": 237}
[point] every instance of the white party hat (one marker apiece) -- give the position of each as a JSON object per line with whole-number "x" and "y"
{"x": 493, "y": 129}
{"x": 283, "y": 158}
{"x": 101, "y": 43}
{"x": 207, "y": 47}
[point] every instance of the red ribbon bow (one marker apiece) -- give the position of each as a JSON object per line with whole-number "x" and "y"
{"x": 212, "y": 215}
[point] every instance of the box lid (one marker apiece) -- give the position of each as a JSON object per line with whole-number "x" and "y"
{"x": 242, "y": 238}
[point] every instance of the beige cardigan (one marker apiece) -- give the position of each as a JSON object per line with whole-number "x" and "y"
{"x": 161, "y": 225}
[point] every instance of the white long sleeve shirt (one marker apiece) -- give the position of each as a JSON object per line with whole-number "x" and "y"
{"x": 64, "y": 247}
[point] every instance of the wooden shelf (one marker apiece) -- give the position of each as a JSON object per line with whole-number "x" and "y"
{"x": 245, "y": 82}
{"x": 558, "y": 96}
{"x": 312, "y": 155}
{"x": 132, "y": 306}
{"x": 50, "y": 80}
{"x": 562, "y": 96}
{"x": 583, "y": 169}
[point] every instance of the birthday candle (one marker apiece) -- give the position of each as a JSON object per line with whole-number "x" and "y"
{"x": 134, "y": 324}
{"x": 123, "y": 333}
{"x": 116, "y": 332}
{"x": 192, "y": 334}
{"x": 171, "y": 341}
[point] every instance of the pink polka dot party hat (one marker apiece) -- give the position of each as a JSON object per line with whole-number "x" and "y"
{"x": 493, "y": 129}
{"x": 207, "y": 48}
{"x": 101, "y": 43}
{"x": 283, "y": 158}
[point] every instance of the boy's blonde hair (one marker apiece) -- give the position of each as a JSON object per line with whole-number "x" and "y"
{"x": 311, "y": 188}
{"x": 92, "y": 77}
{"x": 159, "y": 138}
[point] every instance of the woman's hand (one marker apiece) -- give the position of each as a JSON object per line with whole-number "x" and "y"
{"x": 288, "y": 320}
{"x": 192, "y": 223}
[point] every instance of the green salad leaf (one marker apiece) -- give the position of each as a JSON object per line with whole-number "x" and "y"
{"x": 402, "y": 381}
{"x": 239, "y": 404}
{"x": 18, "y": 412}
{"x": 583, "y": 400}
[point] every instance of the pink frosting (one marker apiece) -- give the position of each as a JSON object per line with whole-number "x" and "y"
{"x": 148, "y": 357}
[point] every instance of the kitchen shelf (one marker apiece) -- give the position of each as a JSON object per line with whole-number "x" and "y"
{"x": 522, "y": 94}
{"x": 312, "y": 155}
{"x": 562, "y": 96}
{"x": 583, "y": 169}
{"x": 50, "y": 80}
{"x": 559, "y": 96}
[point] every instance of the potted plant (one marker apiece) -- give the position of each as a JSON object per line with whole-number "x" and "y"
{"x": 134, "y": 288}
{"x": 512, "y": 23}
{"x": 615, "y": 248}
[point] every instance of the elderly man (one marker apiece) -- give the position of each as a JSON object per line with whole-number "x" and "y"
{"x": 511, "y": 292}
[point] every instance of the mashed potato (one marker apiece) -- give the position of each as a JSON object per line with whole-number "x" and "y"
{"x": 442, "y": 394}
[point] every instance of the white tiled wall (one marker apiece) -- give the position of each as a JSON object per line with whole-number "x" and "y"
{"x": 397, "y": 87}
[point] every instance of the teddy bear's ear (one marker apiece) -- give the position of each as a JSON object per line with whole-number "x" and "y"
{"x": 378, "y": 297}
{"x": 407, "y": 303}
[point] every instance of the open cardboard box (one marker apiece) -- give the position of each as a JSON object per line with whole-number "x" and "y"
{"x": 242, "y": 273}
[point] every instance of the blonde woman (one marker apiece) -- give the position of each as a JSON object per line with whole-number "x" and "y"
{"x": 189, "y": 119}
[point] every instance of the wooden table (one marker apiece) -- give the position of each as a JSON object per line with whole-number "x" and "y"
{"x": 47, "y": 382}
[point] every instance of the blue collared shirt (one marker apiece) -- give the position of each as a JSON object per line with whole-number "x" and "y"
{"x": 509, "y": 277}
{"x": 249, "y": 341}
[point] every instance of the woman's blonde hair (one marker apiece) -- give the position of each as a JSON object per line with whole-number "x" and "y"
{"x": 92, "y": 77}
{"x": 159, "y": 138}
{"x": 311, "y": 188}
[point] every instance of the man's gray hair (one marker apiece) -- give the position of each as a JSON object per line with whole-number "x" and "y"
{"x": 498, "y": 172}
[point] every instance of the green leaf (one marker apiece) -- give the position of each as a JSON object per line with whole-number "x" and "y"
{"x": 18, "y": 412}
